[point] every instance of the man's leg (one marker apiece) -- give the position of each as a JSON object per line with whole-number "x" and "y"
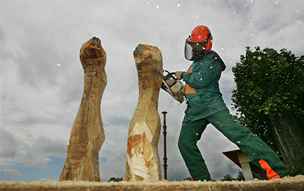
{"x": 251, "y": 144}
{"x": 189, "y": 135}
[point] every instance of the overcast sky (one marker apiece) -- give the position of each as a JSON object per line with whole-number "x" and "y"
{"x": 41, "y": 78}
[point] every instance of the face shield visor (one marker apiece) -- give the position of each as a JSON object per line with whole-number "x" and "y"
{"x": 194, "y": 50}
{"x": 188, "y": 51}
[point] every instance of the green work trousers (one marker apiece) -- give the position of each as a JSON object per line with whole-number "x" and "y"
{"x": 249, "y": 143}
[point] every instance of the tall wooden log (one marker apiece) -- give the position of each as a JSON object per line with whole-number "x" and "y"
{"x": 87, "y": 135}
{"x": 144, "y": 129}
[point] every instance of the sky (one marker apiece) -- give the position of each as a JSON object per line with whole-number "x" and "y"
{"x": 41, "y": 78}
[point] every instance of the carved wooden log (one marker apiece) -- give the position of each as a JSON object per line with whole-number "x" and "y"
{"x": 87, "y": 135}
{"x": 144, "y": 129}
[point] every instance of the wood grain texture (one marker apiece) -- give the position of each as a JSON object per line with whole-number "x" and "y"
{"x": 87, "y": 135}
{"x": 144, "y": 128}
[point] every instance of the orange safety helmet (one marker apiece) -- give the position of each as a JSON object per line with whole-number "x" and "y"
{"x": 198, "y": 42}
{"x": 202, "y": 34}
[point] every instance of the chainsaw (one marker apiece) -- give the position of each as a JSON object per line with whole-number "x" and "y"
{"x": 173, "y": 86}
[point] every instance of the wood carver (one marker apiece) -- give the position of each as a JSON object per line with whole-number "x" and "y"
{"x": 87, "y": 134}
{"x": 144, "y": 129}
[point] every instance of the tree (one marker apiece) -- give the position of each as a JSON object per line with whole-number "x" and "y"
{"x": 269, "y": 99}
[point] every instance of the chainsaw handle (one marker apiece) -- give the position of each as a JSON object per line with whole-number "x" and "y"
{"x": 172, "y": 74}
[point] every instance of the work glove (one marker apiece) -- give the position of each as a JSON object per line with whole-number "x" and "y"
{"x": 189, "y": 71}
{"x": 178, "y": 74}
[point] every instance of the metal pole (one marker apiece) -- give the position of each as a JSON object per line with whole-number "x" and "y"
{"x": 165, "y": 144}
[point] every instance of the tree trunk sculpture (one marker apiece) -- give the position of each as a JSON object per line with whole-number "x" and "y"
{"x": 144, "y": 129}
{"x": 87, "y": 135}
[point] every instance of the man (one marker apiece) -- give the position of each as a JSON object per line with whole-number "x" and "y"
{"x": 205, "y": 105}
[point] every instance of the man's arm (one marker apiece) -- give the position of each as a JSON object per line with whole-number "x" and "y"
{"x": 202, "y": 74}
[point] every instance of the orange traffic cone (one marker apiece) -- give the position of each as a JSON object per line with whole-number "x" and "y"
{"x": 270, "y": 173}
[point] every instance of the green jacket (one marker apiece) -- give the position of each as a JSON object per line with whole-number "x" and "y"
{"x": 204, "y": 78}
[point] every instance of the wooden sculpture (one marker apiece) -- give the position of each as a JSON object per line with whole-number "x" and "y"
{"x": 87, "y": 134}
{"x": 144, "y": 129}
